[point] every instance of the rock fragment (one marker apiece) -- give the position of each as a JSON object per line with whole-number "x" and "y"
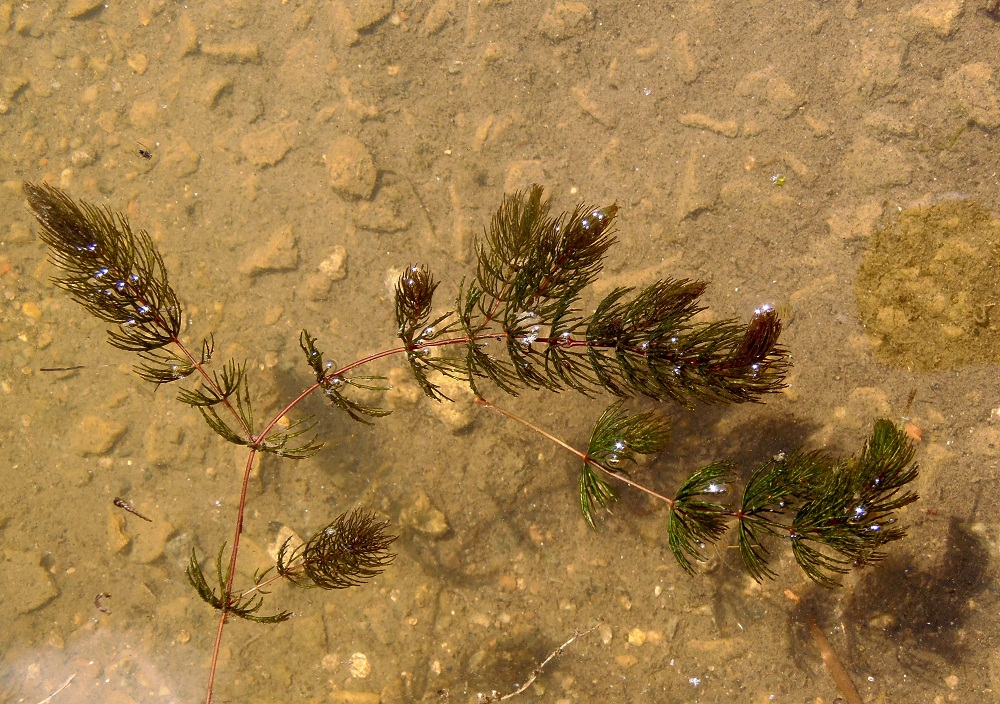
{"x": 459, "y": 413}
{"x": 77, "y": 9}
{"x": 687, "y": 63}
{"x": 333, "y": 268}
{"x": 976, "y": 92}
{"x": 269, "y": 145}
{"x": 233, "y": 53}
{"x": 565, "y": 20}
{"x": 366, "y": 13}
{"x": 937, "y": 15}
{"x": 774, "y": 90}
{"x": 423, "y": 517}
{"x": 181, "y": 157}
{"x": 150, "y": 542}
{"x": 727, "y": 128}
{"x": 279, "y": 253}
{"x": 437, "y": 17}
{"x": 25, "y": 584}
{"x": 352, "y": 168}
{"x": 97, "y": 435}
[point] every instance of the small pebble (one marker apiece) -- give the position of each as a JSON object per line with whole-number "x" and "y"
{"x": 139, "y": 63}
{"x": 31, "y": 310}
{"x": 360, "y": 667}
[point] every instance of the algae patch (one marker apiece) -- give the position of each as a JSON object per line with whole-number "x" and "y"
{"x": 929, "y": 286}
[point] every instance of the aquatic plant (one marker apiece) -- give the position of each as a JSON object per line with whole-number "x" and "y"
{"x": 517, "y": 324}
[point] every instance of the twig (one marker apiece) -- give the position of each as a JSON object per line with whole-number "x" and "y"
{"x": 64, "y": 686}
{"x": 838, "y": 673}
{"x": 496, "y": 697}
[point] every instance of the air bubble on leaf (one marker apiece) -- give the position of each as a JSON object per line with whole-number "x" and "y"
{"x": 715, "y": 488}
{"x": 860, "y": 511}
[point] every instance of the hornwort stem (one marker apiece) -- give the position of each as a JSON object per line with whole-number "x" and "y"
{"x": 582, "y": 455}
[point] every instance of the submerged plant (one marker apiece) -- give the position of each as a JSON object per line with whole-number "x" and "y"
{"x": 517, "y": 325}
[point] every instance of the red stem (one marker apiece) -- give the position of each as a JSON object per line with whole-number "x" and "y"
{"x": 582, "y": 455}
{"x": 256, "y": 441}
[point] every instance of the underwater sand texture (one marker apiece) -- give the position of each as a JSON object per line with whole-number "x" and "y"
{"x": 300, "y": 154}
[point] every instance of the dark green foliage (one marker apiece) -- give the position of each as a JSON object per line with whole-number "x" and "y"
{"x": 523, "y": 328}
{"x": 334, "y": 385}
{"x": 771, "y": 491}
{"x": 617, "y": 438}
{"x": 694, "y": 520}
{"x": 842, "y": 513}
{"x": 851, "y": 512}
{"x": 414, "y": 295}
{"x": 518, "y": 324}
{"x": 837, "y": 514}
{"x": 532, "y": 268}
{"x": 116, "y": 274}
{"x": 244, "y": 606}
{"x": 348, "y": 552}
{"x": 230, "y": 388}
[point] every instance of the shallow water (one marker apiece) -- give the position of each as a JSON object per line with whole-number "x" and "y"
{"x": 755, "y": 145}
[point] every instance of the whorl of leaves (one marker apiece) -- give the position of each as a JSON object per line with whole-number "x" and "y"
{"x": 531, "y": 269}
{"x": 414, "y": 296}
{"x": 116, "y": 274}
{"x": 614, "y": 443}
{"x": 842, "y": 513}
{"x": 245, "y": 606}
{"x": 523, "y": 326}
{"x": 348, "y": 552}
{"x": 695, "y": 520}
{"x": 336, "y": 385}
